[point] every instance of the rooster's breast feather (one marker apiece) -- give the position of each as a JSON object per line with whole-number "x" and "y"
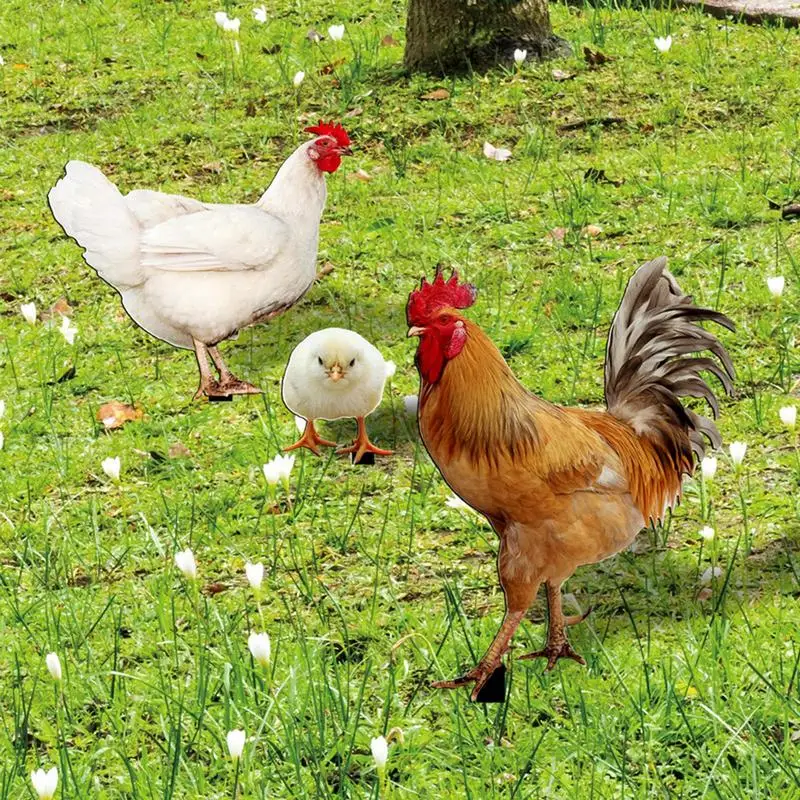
{"x": 232, "y": 239}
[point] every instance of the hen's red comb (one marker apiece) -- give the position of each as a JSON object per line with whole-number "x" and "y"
{"x": 430, "y": 297}
{"x": 330, "y": 129}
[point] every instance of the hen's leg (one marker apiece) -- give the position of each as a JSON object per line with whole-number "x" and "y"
{"x": 557, "y": 645}
{"x": 362, "y": 444}
{"x": 208, "y": 386}
{"x": 310, "y": 439}
{"x": 228, "y": 382}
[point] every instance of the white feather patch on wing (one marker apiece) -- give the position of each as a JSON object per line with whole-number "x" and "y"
{"x": 231, "y": 239}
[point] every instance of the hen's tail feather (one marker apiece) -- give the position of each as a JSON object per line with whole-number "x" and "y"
{"x": 647, "y": 371}
{"x": 92, "y": 211}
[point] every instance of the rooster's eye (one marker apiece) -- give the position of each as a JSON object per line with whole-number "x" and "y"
{"x": 352, "y": 362}
{"x": 446, "y": 319}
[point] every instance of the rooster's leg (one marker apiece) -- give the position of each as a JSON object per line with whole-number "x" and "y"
{"x": 362, "y": 444}
{"x": 557, "y": 645}
{"x": 481, "y": 673}
{"x": 208, "y": 386}
{"x": 310, "y": 439}
{"x": 228, "y": 382}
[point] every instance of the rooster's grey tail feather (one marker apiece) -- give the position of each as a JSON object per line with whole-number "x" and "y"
{"x": 648, "y": 368}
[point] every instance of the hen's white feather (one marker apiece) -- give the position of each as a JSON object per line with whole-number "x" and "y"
{"x": 190, "y": 270}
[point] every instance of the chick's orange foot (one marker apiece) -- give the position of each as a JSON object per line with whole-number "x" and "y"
{"x": 310, "y": 439}
{"x": 362, "y": 445}
{"x": 553, "y": 651}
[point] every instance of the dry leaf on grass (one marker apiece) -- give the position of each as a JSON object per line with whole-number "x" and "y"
{"x": 436, "y": 94}
{"x": 561, "y": 75}
{"x": 557, "y": 234}
{"x": 388, "y": 40}
{"x": 595, "y": 58}
{"x": 592, "y": 230}
{"x": 214, "y": 588}
{"x": 115, "y": 414}
{"x": 178, "y": 450}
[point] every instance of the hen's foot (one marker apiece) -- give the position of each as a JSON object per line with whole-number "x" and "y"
{"x": 233, "y": 385}
{"x": 552, "y": 651}
{"x": 479, "y": 675}
{"x": 310, "y": 439}
{"x": 211, "y": 388}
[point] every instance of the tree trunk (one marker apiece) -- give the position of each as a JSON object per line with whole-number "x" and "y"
{"x": 453, "y": 35}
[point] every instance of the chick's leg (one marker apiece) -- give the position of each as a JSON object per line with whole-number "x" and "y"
{"x": 310, "y": 439}
{"x": 362, "y": 444}
{"x": 557, "y": 645}
{"x": 228, "y": 382}
{"x": 208, "y": 386}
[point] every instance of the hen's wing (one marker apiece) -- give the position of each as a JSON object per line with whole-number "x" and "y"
{"x": 223, "y": 239}
{"x": 152, "y": 208}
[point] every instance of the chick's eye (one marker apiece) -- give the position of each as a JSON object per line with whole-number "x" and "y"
{"x": 320, "y": 360}
{"x": 353, "y": 361}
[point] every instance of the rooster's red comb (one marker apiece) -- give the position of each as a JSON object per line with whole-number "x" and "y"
{"x": 430, "y": 297}
{"x": 330, "y": 129}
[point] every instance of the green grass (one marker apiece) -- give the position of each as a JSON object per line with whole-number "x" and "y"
{"x": 374, "y": 587}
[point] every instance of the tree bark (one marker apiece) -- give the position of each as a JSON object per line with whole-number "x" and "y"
{"x": 453, "y": 35}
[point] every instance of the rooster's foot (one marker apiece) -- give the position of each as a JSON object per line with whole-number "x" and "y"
{"x": 235, "y": 386}
{"x": 552, "y": 651}
{"x": 479, "y": 675}
{"x": 310, "y": 439}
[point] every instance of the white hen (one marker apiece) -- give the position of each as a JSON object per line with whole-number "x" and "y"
{"x": 332, "y": 374}
{"x": 194, "y": 273}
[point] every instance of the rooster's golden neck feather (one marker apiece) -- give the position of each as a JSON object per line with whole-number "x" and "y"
{"x": 477, "y": 407}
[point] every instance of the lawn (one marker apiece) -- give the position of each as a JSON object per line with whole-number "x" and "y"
{"x": 373, "y": 585}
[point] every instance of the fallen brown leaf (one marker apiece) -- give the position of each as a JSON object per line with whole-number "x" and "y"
{"x": 115, "y": 414}
{"x": 362, "y": 175}
{"x": 557, "y": 234}
{"x": 561, "y": 75}
{"x": 212, "y": 166}
{"x": 61, "y": 306}
{"x": 704, "y": 594}
{"x": 436, "y": 94}
{"x": 329, "y": 68}
{"x": 178, "y": 450}
{"x": 214, "y": 588}
{"x": 790, "y": 211}
{"x": 354, "y": 112}
{"x": 593, "y": 230}
{"x": 327, "y": 268}
{"x": 595, "y": 58}
{"x": 389, "y": 40}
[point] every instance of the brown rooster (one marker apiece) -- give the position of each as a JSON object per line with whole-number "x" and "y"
{"x": 564, "y": 486}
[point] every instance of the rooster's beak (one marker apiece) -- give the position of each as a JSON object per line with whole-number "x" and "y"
{"x": 415, "y": 331}
{"x": 345, "y": 151}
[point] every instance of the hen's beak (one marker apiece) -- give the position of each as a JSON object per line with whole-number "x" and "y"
{"x": 415, "y": 330}
{"x": 345, "y": 151}
{"x": 336, "y": 373}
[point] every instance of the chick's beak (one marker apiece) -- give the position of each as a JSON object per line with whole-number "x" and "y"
{"x": 336, "y": 373}
{"x": 415, "y": 330}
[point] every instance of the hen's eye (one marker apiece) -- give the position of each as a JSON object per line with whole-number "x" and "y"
{"x": 320, "y": 360}
{"x": 352, "y": 362}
